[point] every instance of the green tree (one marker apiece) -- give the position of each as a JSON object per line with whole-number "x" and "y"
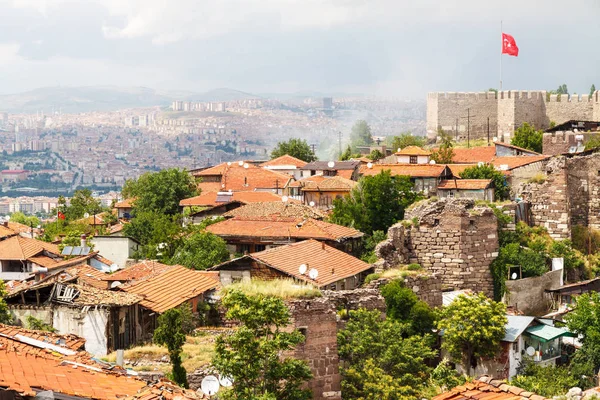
{"x": 160, "y": 191}
{"x": 562, "y": 89}
{"x": 361, "y": 135}
{"x": 298, "y": 148}
{"x": 376, "y": 155}
{"x": 169, "y": 333}
{"x": 256, "y": 355}
{"x": 473, "y": 327}
{"x": 445, "y": 153}
{"x": 200, "y": 250}
{"x": 5, "y": 316}
{"x": 376, "y": 203}
{"x": 81, "y": 203}
{"x": 21, "y": 218}
{"x": 584, "y": 321}
{"x": 488, "y": 171}
{"x": 403, "y": 305}
{"x": 545, "y": 380}
{"x": 159, "y": 234}
{"x": 592, "y": 89}
{"x": 527, "y": 137}
{"x": 379, "y": 361}
{"x": 406, "y": 139}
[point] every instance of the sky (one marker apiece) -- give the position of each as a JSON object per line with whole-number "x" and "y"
{"x": 399, "y": 48}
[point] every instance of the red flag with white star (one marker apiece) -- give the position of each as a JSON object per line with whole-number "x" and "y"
{"x": 509, "y": 46}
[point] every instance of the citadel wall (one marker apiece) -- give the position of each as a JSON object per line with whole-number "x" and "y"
{"x": 507, "y": 111}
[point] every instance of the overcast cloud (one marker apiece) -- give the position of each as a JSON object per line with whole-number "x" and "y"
{"x": 400, "y": 48}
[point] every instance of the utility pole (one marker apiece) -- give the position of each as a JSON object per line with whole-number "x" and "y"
{"x": 468, "y": 117}
{"x": 456, "y": 130}
{"x": 312, "y": 147}
{"x": 488, "y": 130}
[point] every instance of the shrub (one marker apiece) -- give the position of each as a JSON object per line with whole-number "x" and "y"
{"x": 414, "y": 267}
{"x": 372, "y": 277}
{"x": 537, "y": 178}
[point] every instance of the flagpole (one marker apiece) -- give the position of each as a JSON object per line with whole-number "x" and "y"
{"x": 501, "y": 47}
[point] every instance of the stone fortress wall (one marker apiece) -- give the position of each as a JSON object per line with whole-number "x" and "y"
{"x": 506, "y": 110}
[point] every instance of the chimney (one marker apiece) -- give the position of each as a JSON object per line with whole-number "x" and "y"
{"x": 83, "y": 242}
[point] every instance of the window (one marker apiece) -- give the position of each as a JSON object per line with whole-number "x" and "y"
{"x": 260, "y": 247}
{"x": 413, "y": 159}
{"x": 244, "y": 248}
{"x": 516, "y": 346}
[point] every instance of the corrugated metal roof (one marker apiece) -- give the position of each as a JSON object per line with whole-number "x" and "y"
{"x": 547, "y": 333}
{"x": 515, "y": 327}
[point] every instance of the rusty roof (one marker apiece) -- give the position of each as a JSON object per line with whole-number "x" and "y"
{"x": 411, "y": 170}
{"x": 142, "y": 270}
{"x": 284, "y": 160}
{"x": 282, "y": 228}
{"x": 27, "y": 368}
{"x": 413, "y": 151}
{"x": 68, "y": 341}
{"x": 331, "y": 263}
{"x": 279, "y": 209}
{"x": 465, "y": 184}
{"x": 21, "y": 248}
{"x": 485, "y": 388}
{"x": 172, "y": 288}
{"x": 210, "y": 199}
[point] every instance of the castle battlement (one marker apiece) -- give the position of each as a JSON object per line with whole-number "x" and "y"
{"x": 462, "y": 95}
{"x": 522, "y": 94}
{"x": 573, "y": 98}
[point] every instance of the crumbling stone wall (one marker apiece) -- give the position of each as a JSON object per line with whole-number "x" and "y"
{"x": 529, "y": 295}
{"x": 555, "y": 143}
{"x": 583, "y": 180}
{"x": 453, "y": 239}
{"x": 427, "y": 287}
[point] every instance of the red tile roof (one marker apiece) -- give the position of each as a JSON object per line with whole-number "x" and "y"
{"x": 284, "y": 160}
{"x": 345, "y": 173}
{"x": 474, "y": 154}
{"x": 127, "y": 203}
{"x": 22, "y": 248}
{"x": 278, "y": 209}
{"x": 412, "y": 170}
{"x": 6, "y": 231}
{"x": 332, "y": 184}
{"x": 517, "y": 161}
{"x": 283, "y": 228}
{"x": 413, "y": 151}
{"x": 208, "y": 187}
{"x": 88, "y": 275}
{"x": 172, "y": 288}
{"x": 239, "y": 178}
{"x": 27, "y": 368}
{"x": 464, "y": 184}
{"x": 210, "y": 199}
{"x": 140, "y": 271}
{"x": 487, "y": 389}
{"x": 332, "y": 264}
{"x": 69, "y": 341}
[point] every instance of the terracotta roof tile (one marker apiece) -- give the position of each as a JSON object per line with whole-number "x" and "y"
{"x": 345, "y": 173}
{"x": 480, "y": 389}
{"x": 337, "y": 165}
{"x": 22, "y": 248}
{"x": 127, "y": 203}
{"x": 68, "y": 341}
{"x": 334, "y": 183}
{"x": 140, "y": 271}
{"x": 332, "y": 264}
{"x": 208, "y": 187}
{"x": 279, "y": 209}
{"x": 238, "y": 178}
{"x": 91, "y": 296}
{"x": 464, "y": 184}
{"x": 517, "y": 161}
{"x": 6, "y": 231}
{"x": 412, "y": 170}
{"x": 88, "y": 275}
{"x": 311, "y": 180}
{"x": 283, "y": 228}
{"x": 474, "y": 154}
{"x": 284, "y": 160}
{"x": 172, "y": 288}
{"x": 210, "y": 199}
{"x": 413, "y": 151}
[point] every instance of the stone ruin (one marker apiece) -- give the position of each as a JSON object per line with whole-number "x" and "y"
{"x": 453, "y": 239}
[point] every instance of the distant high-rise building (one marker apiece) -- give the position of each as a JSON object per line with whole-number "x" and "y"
{"x": 143, "y": 120}
{"x": 327, "y": 103}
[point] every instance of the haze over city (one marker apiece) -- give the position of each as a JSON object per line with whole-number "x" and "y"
{"x": 391, "y": 48}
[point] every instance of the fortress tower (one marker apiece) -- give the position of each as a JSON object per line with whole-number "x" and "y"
{"x": 476, "y": 114}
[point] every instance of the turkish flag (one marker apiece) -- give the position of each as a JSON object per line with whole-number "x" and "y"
{"x": 509, "y": 46}
{"x": 61, "y": 215}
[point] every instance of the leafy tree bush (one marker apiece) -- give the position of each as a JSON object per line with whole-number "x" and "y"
{"x": 21, "y": 218}
{"x": 159, "y": 234}
{"x": 38, "y": 325}
{"x": 473, "y": 327}
{"x": 585, "y": 239}
{"x": 201, "y": 250}
{"x": 360, "y": 135}
{"x": 379, "y": 360}
{"x": 376, "y": 203}
{"x": 169, "y": 333}
{"x": 298, "y": 148}
{"x": 5, "y": 316}
{"x": 160, "y": 192}
{"x": 369, "y": 244}
{"x": 444, "y": 377}
{"x": 547, "y": 381}
{"x": 528, "y": 137}
{"x": 407, "y": 139}
{"x": 488, "y": 171}
{"x": 592, "y": 89}
{"x": 256, "y": 355}
{"x": 376, "y": 155}
{"x": 403, "y": 305}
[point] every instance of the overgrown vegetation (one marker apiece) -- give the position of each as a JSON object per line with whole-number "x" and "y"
{"x": 281, "y": 288}
{"x": 445, "y": 153}
{"x": 403, "y": 305}
{"x": 488, "y": 171}
{"x": 298, "y": 148}
{"x": 5, "y": 316}
{"x": 545, "y": 380}
{"x": 38, "y": 324}
{"x": 406, "y": 139}
{"x": 527, "y": 137}
{"x": 170, "y": 333}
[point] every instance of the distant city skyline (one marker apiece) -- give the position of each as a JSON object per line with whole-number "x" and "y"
{"x": 381, "y": 47}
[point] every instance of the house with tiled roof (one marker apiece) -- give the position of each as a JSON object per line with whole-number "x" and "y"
{"x": 335, "y": 270}
{"x": 487, "y": 388}
{"x": 319, "y": 190}
{"x": 143, "y": 270}
{"x": 345, "y": 169}
{"x": 21, "y": 257}
{"x": 240, "y": 176}
{"x": 285, "y": 164}
{"x": 476, "y": 189}
{"x": 276, "y": 209}
{"x": 246, "y": 235}
{"x": 412, "y": 155}
{"x": 425, "y": 177}
{"x": 124, "y": 208}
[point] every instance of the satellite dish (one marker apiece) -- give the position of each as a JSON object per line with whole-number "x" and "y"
{"x": 222, "y": 185}
{"x": 513, "y": 276}
{"x": 530, "y": 351}
{"x": 370, "y": 165}
{"x": 399, "y": 149}
{"x": 494, "y": 139}
{"x": 240, "y": 163}
{"x": 432, "y": 162}
{"x": 331, "y": 164}
{"x": 86, "y": 215}
{"x": 480, "y": 164}
{"x": 225, "y": 381}
{"x": 229, "y": 163}
{"x": 312, "y": 204}
{"x": 302, "y": 269}
{"x": 246, "y": 166}
{"x": 210, "y": 385}
{"x": 313, "y": 274}
{"x": 284, "y": 199}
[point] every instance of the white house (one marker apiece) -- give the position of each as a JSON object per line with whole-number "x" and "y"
{"x": 118, "y": 249}
{"x": 412, "y": 155}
